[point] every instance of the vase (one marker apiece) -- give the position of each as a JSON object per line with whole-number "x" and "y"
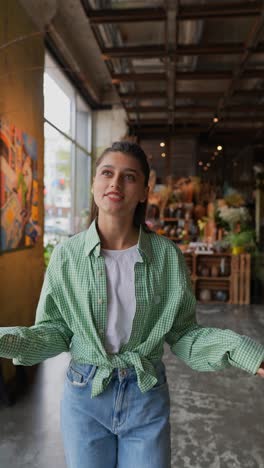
{"x": 237, "y": 250}
{"x": 221, "y": 296}
{"x": 205, "y": 271}
{"x": 214, "y": 270}
{"x": 205, "y": 295}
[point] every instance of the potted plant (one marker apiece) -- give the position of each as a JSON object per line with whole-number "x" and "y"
{"x": 241, "y": 241}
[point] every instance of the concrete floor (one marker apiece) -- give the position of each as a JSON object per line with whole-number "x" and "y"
{"x": 217, "y": 419}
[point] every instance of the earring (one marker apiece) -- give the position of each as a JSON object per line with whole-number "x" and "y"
{"x": 92, "y": 190}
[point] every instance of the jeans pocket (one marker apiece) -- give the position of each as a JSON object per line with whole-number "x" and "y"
{"x": 79, "y": 375}
{"x": 161, "y": 376}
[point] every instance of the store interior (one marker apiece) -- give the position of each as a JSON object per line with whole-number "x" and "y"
{"x": 185, "y": 80}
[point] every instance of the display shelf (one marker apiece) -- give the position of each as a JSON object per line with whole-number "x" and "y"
{"x": 213, "y": 278}
{"x": 234, "y": 287}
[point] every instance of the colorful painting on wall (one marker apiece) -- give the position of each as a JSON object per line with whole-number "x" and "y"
{"x": 19, "y": 224}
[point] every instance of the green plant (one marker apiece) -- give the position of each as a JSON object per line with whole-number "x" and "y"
{"x": 244, "y": 239}
{"x": 48, "y": 249}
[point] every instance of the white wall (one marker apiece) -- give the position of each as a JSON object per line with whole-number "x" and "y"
{"x": 108, "y": 126}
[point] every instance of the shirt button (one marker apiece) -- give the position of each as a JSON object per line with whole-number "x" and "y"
{"x": 10, "y": 339}
{"x": 101, "y": 331}
{"x": 100, "y": 300}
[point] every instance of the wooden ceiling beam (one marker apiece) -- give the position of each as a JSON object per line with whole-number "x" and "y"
{"x": 159, "y": 50}
{"x": 143, "y": 95}
{"x": 219, "y": 75}
{"x": 254, "y": 93}
{"x": 190, "y": 120}
{"x": 198, "y": 109}
{"x": 234, "y": 136}
{"x": 119, "y": 77}
{"x": 147, "y": 109}
{"x": 126, "y": 15}
{"x": 219, "y": 10}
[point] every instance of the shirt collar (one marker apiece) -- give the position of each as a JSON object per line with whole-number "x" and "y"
{"x": 93, "y": 242}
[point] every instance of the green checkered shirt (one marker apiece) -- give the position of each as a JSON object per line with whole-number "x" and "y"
{"x": 72, "y": 315}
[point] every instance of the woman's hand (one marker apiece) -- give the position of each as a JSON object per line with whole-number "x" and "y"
{"x": 261, "y": 370}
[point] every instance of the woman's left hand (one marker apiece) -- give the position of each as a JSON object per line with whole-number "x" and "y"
{"x": 261, "y": 370}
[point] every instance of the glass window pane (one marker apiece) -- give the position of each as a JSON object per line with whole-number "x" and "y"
{"x": 82, "y": 190}
{"x": 57, "y": 107}
{"x": 57, "y": 179}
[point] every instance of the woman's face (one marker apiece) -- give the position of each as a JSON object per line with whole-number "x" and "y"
{"x": 118, "y": 185}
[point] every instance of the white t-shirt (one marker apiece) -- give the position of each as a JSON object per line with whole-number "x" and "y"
{"x": 121, "y": 299}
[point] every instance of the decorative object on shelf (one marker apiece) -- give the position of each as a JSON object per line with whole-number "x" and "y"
{"x": 221, "y": 246}
{"x": 205, "y": 295}
{"x": 201, "y": 248}
{"x": 224, "y": 267}
{"x": 234, "y": 199}
{"x": 214, "y": 271}
{"x": 234, "y": 215}
{"x": 220, "y": 296}
{"x": 205, "y": 271}
{"x": 201, "y": 225}
{"x": 241, "y": 241}
{"x": 166, "y": 229}
{"x": 233, "y": 281}
{"x": 172, "y": 232}
{"x": 199, "y": 211}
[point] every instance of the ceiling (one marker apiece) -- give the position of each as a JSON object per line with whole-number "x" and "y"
{"x": 180, "y": 67}
{"x": 184, "y": 67}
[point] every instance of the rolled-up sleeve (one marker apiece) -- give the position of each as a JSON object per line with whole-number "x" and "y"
{"x": 49, "y": 336}
{"x": 205, "y": 348}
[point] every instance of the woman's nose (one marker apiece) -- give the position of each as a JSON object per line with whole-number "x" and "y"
{"x": 116, "y": 182}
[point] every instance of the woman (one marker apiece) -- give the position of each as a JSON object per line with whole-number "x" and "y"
{"x": 113, "y": 295}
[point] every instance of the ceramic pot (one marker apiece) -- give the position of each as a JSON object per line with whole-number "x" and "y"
{"x": 205, "y": 295}
{"x": 237, "y": 250}
{"x": 221, "y": 296}
{"x": 214, "y": 271}
{"x": 205, "y": 271}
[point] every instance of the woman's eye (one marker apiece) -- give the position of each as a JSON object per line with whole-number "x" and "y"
{"x": 130, "y": 177}
{"x": 106, "y": 172}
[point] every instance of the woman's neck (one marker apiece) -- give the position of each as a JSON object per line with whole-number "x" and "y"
{"x": 116, "y": 235}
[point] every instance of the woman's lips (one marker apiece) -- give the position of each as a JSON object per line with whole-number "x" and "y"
{"x": 115, "y": 197}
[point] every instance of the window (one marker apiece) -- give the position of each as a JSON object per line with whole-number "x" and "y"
{"x": 67, "y": 160}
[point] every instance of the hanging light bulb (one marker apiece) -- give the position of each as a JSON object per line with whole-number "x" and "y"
{"x": 219, "y": 147}
{"x": 162, "y": 144}
{"x": 215, "y": 119}
{"x": 200, "y": 163}
{"x": 163, "y": 155}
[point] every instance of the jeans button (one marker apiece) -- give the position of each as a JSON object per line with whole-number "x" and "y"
{"x": 122, "y": 373}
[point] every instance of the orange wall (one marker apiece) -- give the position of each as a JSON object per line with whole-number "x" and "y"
{"x": 21, "y": 101}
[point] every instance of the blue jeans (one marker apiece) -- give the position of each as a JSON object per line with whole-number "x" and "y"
{"x": 121, "y": 427}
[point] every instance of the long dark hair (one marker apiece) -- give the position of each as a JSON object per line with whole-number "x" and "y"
{"x": 135, "y": 151}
